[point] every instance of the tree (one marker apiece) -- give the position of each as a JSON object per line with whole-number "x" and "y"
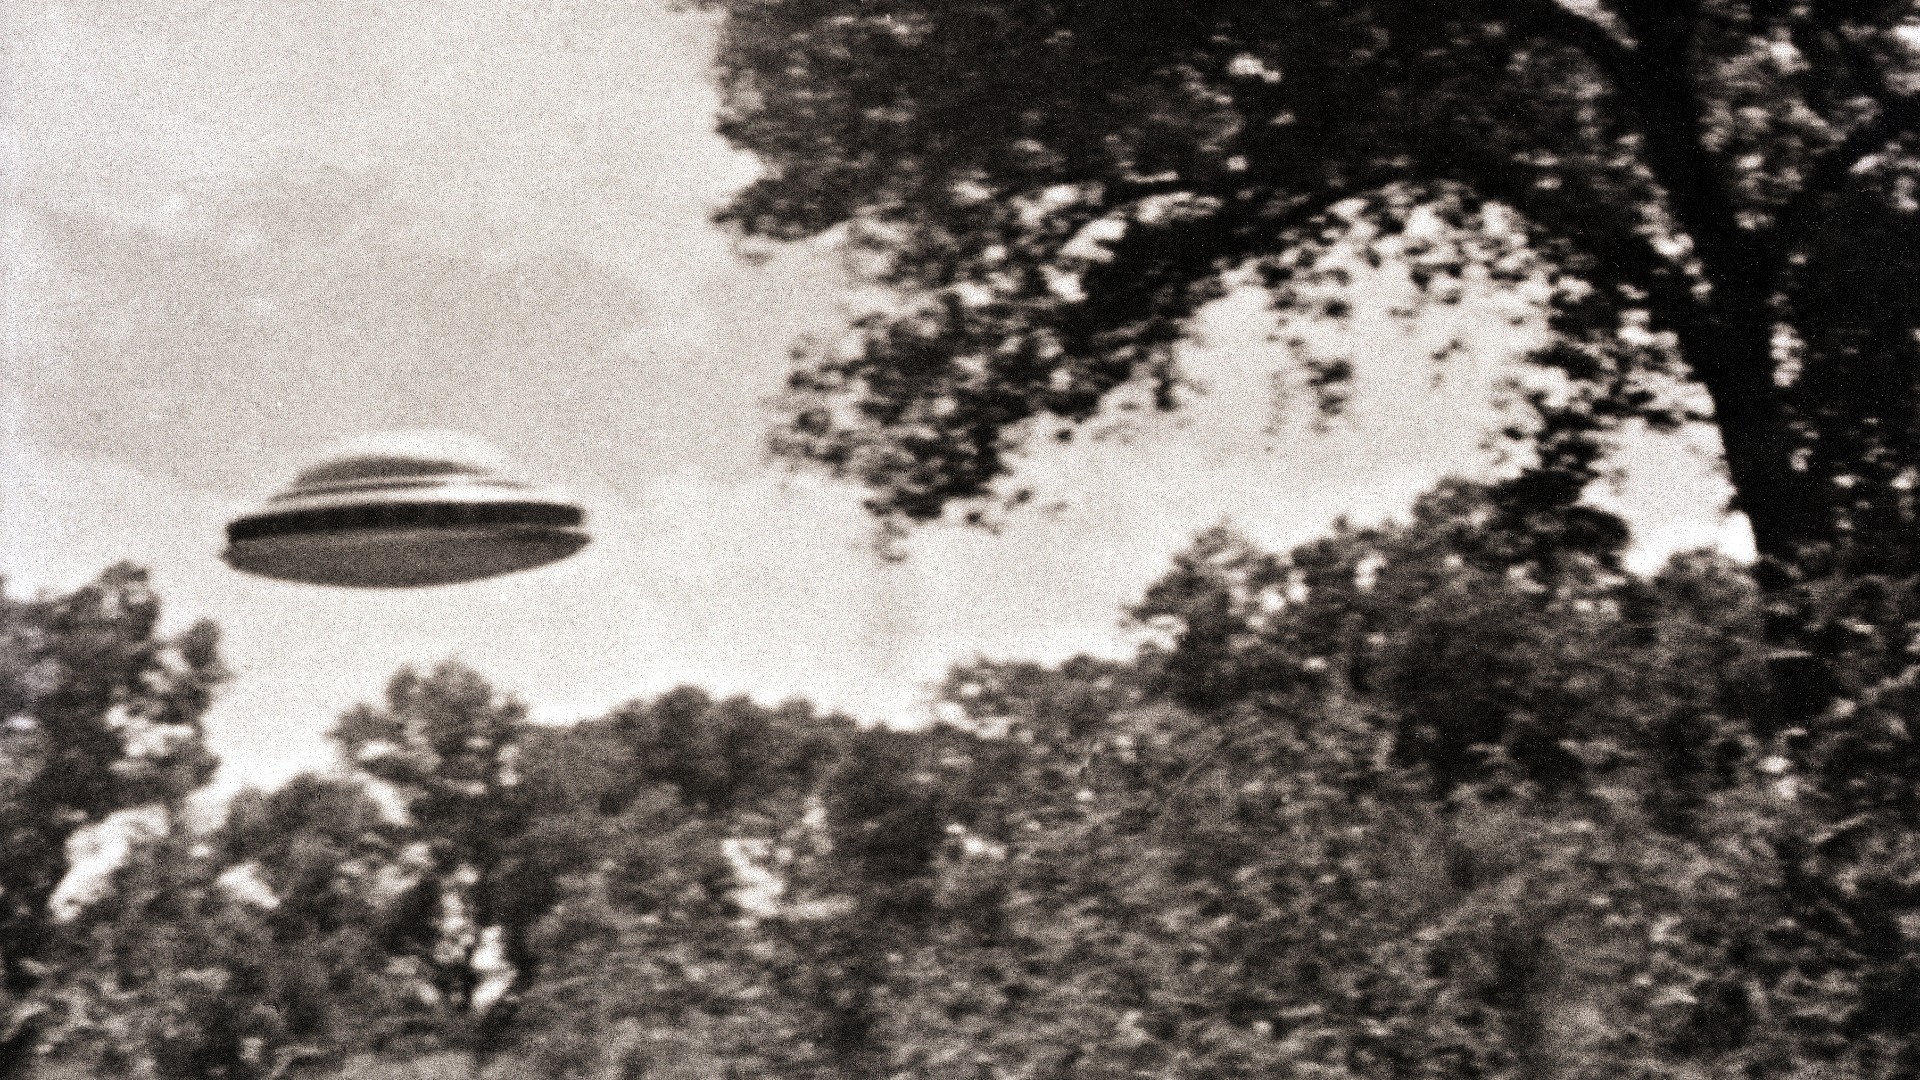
{"x": 1295, "y": 838}
{"x": 1713, "y": 192}
{"x": 190, "y": 967}
{"x": 102, "y": 713}
{"x": 448, "y": 748}
{"x": 320, "y": 860}
{"x": 727, "y": 756}
{"x": 167, "y": 975}
{"x": 1712, "y": 203}
{"x": 659, "y": 958}
{"x": 647, "y": 965}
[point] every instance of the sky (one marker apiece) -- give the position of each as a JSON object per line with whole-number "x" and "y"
{"x": 237, "y": 231}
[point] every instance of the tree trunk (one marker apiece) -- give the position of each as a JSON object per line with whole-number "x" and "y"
{"x": 1732, "y": 357}
{"x": 1728, "y": 337}
{"x": 1758, "y": 446}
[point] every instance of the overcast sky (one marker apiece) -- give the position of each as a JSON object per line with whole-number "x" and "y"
{"x": 236, "y": 231}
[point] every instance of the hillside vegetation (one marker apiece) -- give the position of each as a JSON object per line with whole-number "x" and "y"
{"x": 1452, "y": 797}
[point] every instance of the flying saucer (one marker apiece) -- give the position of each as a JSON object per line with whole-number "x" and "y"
{"x": 404, "y": 510}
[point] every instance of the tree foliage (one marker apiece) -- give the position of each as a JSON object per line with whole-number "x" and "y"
{"x": 1714, "y": 192}
{"x": 1293, "y": 835}
{"x": 448, "y": 748}
{"x": 101, "y": 713}
{"x": 193, "y": 965}
{"x": 1455, "y": 795}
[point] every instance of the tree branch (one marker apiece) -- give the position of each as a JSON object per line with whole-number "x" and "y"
{"x": 1898, "y": 115}
{"x": 1670, "y": 109}
{"x": 1726, "y": 339}
{"x": 1140, "y": 255}
{"x": 1616, "y": 252}
{"x": 1548, "y": 19}
{"x": 1649, "y": 73}
{"x": 1829, "y": 170}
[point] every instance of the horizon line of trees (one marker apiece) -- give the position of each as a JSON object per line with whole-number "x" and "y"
{"x": 1453, "y": 796}
{"x": 1458, "y": 796}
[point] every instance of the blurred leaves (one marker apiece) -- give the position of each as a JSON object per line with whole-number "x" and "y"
{"x": 1455, "y": 795}
{"x": 1708, "y": 207}
{"x": 99, "y": 713}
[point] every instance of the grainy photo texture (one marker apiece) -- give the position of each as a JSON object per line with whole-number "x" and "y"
{"x": 960, "y": 540}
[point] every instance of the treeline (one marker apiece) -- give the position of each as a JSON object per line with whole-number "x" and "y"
{"x": 1452, "y": 797}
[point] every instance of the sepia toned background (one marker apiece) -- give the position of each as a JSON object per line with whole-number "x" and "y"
{"x": 237, "y": 231}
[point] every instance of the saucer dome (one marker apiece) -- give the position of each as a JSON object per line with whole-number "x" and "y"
{"x": 406, "y": 509}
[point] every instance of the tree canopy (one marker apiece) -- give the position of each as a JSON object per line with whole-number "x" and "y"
{"x": 1453, "y": 795}
{"x": 1710, "y": 200}
{"x": 99, "y": 713}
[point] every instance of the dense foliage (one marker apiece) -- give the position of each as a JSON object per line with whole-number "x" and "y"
{"x": 1707, "y": 192}
{"x": 99, "y": 713}
{"x": 1458, "y": 796}
{"x": 1435, "y": 798}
